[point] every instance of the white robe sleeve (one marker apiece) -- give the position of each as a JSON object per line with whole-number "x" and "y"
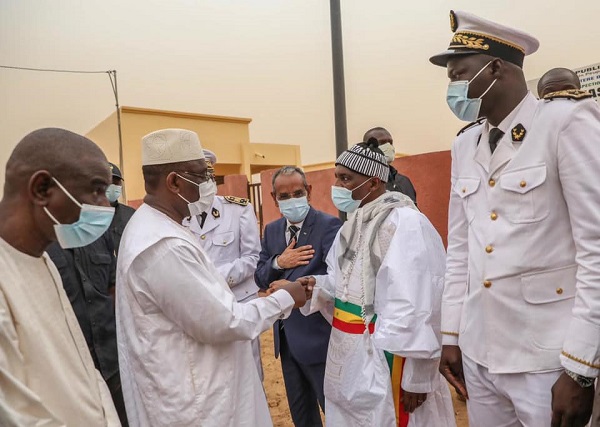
{"x": 189, "y": 291}
{"x": 408, "y": 299}
{"x": 323, "y": 295}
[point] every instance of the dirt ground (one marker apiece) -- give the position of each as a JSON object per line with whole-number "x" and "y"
{"x": 276, "y": 389}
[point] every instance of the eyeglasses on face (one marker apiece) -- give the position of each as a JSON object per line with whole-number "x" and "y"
{"x": 295, "y": 195}
{"x": 203, "y": 177}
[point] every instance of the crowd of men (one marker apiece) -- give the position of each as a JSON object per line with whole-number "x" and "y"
{"x": 110, "y": 316}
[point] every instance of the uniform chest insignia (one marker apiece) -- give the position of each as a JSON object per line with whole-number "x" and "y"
{"x": 575, "y": 94}
{"x": 518, "y": 133}
{"x": 216, "y": 213}
{"x": 237, "y": 200}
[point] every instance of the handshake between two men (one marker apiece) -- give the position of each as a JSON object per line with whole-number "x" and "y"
{"x": 300, "y": 289}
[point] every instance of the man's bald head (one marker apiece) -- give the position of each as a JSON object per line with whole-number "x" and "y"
{"x": 62, "y": 153}
{"x": 382, "y": 135}
{"x": 557, "y": 79}
{"x": 33, "y": 199}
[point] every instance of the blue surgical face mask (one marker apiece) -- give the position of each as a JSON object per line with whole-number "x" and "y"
{"x": 294, "y": 209}
{"x": 342, "y": 198}
{"x": 92, "y": 223}
{"x": 113, "y": 192}
{"x": 462, "y": 106}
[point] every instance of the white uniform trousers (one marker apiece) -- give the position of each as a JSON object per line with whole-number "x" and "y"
{"x": 508, "y": 400}
{"x": 256, "y": 345}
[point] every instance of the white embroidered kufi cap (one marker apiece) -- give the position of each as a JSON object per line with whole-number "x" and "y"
{"x": 170, "y": 146}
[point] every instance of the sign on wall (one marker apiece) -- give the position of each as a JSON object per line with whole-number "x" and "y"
{"x": 590, "y": 79}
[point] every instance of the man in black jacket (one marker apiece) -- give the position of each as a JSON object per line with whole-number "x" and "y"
{"x": 396, "y": 181}
{"x": 88, "y": 276}
{"x": 123, "y": 213}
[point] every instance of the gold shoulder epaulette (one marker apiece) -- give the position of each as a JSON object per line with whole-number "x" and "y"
{"x": 575, "y": 94}
{"x": 237, "y": 200}
{"x": 470, "y": 125}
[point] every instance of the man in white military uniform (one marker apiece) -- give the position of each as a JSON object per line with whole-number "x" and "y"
{"x": 521, "y": 306}
{"x": 228, "y": 232}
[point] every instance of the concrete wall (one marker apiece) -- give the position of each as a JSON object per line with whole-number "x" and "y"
{"x": 429, "y": 173}
{"x": 234, "y": 185}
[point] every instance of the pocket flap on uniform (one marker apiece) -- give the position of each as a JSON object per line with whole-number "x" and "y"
{"x": 466, "y": 186}
{"x": 550, "y": 285}
{"x": 523, "y": 180}
{"x": 222, "y": 239}
{"x": 98, "y": 258}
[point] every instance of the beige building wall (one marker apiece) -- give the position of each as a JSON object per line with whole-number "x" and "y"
{"x": 228, "y": 137}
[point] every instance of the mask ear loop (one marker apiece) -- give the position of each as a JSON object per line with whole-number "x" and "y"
{"x": 66, "y": 192}
{"x": 51, "y": 216}
{"x": 488, "y": 89}
{"x": 191, "y": 182}
{"x": 186, "y": 200}
{"x": 480, "y": 71}
{"x": 188, "y": 180}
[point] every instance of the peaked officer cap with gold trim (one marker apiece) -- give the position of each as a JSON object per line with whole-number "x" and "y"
{"x": 473, "y": 35}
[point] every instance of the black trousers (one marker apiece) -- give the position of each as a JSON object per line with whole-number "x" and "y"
{"x": 114, "y": 386}
{"x": 304, "y": 387}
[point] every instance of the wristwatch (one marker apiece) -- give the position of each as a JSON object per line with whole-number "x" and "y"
{"x": 583, "y": 382}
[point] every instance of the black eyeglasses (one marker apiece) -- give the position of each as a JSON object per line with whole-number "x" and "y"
{"x": 295, "y": 195}
{"x": 203, "y": 177}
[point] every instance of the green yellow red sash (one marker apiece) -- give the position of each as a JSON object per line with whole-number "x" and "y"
{"x": 347, "y": 318}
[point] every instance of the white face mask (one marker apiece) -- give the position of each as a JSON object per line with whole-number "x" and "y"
{"x": 207, "y": 191}
{"x": 388, "y": 151}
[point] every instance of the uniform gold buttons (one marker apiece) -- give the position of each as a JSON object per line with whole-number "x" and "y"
{"x": 224, "y": 241}
{"x": 487, "y": 283}
{"x": 494, "y": 216}
{"x": 559, "y": 291}
{"x": 203, "y": 236}
{"x": 464, "y": 190}
{"x": 492, "y": 182}
{"x": 522, "y": 184}
{"x": 489, "y": 249}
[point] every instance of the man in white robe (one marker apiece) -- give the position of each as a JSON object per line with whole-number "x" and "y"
{"x": 47, "y": 375}
{"x": 385, "y": 270}
{"x": 184, "y": 341}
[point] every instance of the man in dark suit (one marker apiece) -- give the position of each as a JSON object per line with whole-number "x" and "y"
{"x": 295, "y": 246}
{"x": 396, "y": 181}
